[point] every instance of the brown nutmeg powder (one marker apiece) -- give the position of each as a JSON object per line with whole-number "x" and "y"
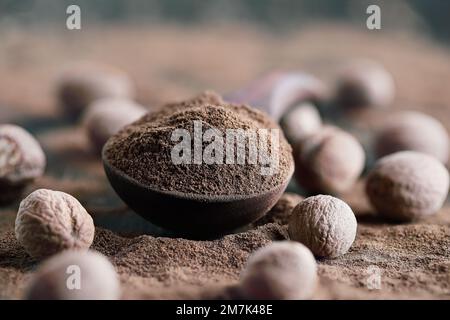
{"x": 143, "y": 150}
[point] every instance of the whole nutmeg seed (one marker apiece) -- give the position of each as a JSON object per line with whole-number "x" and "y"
{"x": 74, "y": 275}
{"x": 300, "y": 122}
{"x": 21, "y": 161}
{"x": 329, "y": 161}
{"x": 407, "y": 185}
{"x": 52, "y": 221}
{"x": 365, "y": 83}
{"x": 83, "y": 83}
{"x": 415, "y": 131}
{"x": 282, "y": 270}
{"x": 326, "y": 225}
{"x": 105, "y": 117}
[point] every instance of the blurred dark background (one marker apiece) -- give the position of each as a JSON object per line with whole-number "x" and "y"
{"x": 423, "y": 16}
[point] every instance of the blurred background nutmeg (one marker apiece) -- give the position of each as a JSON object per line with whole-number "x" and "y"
{"x": 281, "y": 270}
{"x": 364, "y": 83}
{"x": 407, "y": 186}
{"x": 415, "y": 131}
{"x": 329, "y": 161}
{"x": 21, "y": 161}
{"x": 105, "y": 117}
{"x": 74, "y": 275}
{"x": 302, "y": 120}
{"x": 84, "y": 82}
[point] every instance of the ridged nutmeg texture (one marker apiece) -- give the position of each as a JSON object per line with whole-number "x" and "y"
{"x": 51, "y": 221}
{"x": 282, "y": 270}
{"x": 21, "y": 156}
{"x": 326, "y": 225}
{"x": 329, "y": 161}
{"x": 407, "y": 185}
{"x": 21, "y": 161}
{"x": 74, "y": 275}
{"x": 414, "y": 131}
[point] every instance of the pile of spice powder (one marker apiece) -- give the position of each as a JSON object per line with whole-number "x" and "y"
{"x": 142, "y": 150}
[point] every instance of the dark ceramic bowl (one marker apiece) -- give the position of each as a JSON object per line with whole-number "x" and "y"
{"x": 191, "y": 215}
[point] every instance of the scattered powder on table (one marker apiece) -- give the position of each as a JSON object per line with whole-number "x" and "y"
{"x": 143, "y": 150}
{"x": 148, "y": 264}
{"x": 413, "y": 260}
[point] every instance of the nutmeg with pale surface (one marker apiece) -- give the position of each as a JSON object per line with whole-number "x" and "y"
{"x": 300, "y": 122}
{"x": 329, "y": 161}
{"x": 325, "y": 224}
{"x": 50, "y": 221}
{"x": 282, "y": 270}
{"x": 22, "y": 160}
{"x": 105, "y": 117}
{"x": 413, "y": 131}
{"x": 74, "y": 275}
{"x": 407, "y": 186}
{"x": 84, "y": 82}
{"x": 364, "y": 83}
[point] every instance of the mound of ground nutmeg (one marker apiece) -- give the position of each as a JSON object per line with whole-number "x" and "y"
{"x": 143, "y": 149}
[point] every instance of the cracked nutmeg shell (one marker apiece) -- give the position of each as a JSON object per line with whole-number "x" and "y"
{"x": 52, "y": 221}
{"x": 407, "y": 186}
{"x": 325, "y": 224}
{"x": 21, "y": 161}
